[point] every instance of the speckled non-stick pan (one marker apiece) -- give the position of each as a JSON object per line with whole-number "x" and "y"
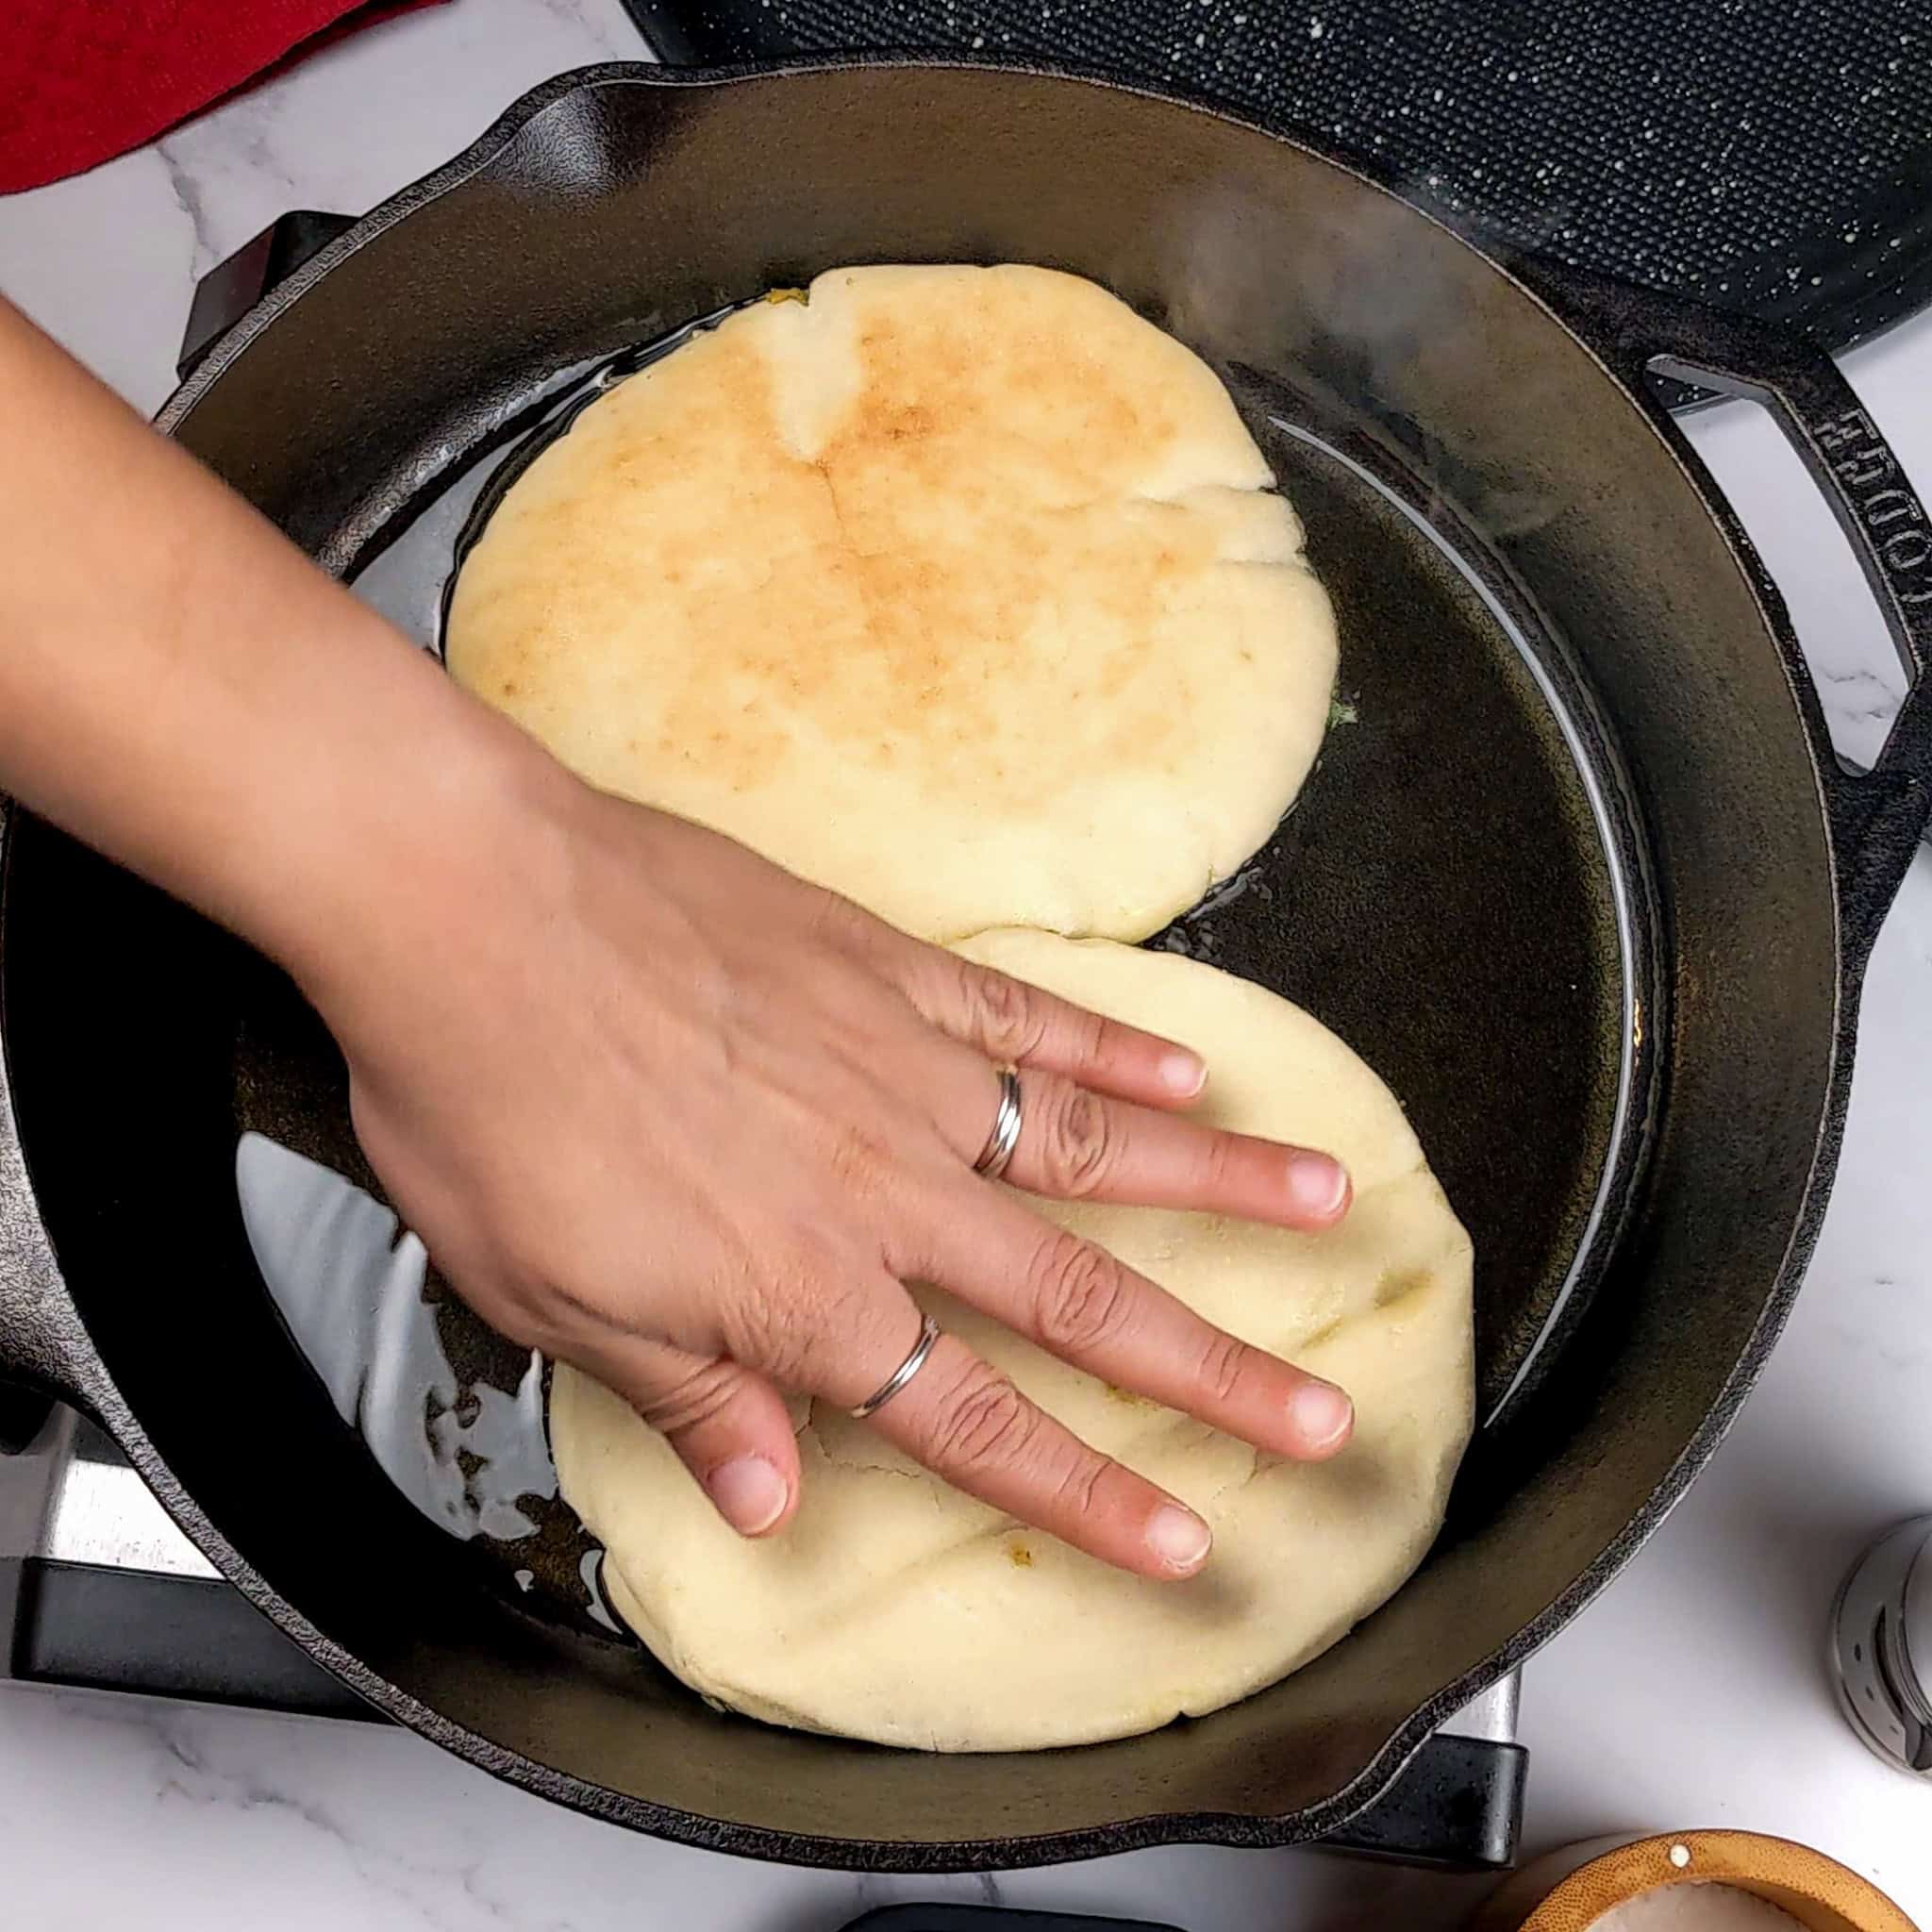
{"x": 1579, "y": 874}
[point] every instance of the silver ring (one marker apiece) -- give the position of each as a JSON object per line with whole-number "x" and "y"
{"x": 928, "y": 1334}
{"x": 1004, "y": 1136}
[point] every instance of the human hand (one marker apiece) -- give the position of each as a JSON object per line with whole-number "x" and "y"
{"x": 655, "y": 1107}
{"x": 666, "y": 1111}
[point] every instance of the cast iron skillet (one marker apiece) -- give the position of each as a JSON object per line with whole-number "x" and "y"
{"x": 1583, "y": 880}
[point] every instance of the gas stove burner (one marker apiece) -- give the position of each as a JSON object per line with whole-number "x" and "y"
{"x": 100, "y": 1590}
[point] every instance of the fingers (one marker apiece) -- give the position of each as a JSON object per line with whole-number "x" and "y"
{"x": 969, "y": 1425}
{"x": 729, "y": 1427}
{"x": 1075, "y": 1144}
{"x": 1098, "y": 1119}
{"x": 1004, "y": 1018}
{"x": 1078, "y": 1301}
{"x": 1078, "y": 1145}
{"x": 967, "y": 1422}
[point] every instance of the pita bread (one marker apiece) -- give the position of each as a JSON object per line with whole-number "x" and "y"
{"x": 961, "y": 590}
{"x": 895, "y": 1609}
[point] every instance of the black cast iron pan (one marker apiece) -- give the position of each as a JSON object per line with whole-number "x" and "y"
{"x": 1582, "y": 879}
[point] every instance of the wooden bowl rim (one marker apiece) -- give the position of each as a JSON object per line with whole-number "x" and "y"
{"x": 1750, "y": 1861}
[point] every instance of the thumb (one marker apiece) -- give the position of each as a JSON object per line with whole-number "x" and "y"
{"x": 728, "y": 1427}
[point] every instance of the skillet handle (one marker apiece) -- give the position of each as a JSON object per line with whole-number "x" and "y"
{"x": 232, "y": 288}
{"x": 1877, "y": 817}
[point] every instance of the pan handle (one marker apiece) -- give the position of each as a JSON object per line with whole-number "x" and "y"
{"x": 230, "y": 290}
{"x": 1877, "y": 817}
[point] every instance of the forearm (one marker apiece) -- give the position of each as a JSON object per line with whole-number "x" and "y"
{"x": 181, "y": 688}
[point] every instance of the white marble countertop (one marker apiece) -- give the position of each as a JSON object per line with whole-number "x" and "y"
{"x": 1692, "y": 1694}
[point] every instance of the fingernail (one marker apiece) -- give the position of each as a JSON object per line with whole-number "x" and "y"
{"x": 1322, "y": 1415}
{"x": 1178, "y": 1538}
{"x": 748, "y": 1492}
{"x": 1317, "y": 1186}
{"x": 1183, "y": 1073}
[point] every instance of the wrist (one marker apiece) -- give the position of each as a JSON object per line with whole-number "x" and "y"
{"x": 420, "y": 837}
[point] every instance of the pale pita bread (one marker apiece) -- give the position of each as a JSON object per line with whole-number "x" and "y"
{"x": 897, "y": 1609}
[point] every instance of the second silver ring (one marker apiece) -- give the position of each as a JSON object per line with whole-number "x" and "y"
{"x": 1004, "y": 1136}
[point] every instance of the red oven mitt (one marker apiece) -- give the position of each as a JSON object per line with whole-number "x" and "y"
{"x": 84, "y": 80}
